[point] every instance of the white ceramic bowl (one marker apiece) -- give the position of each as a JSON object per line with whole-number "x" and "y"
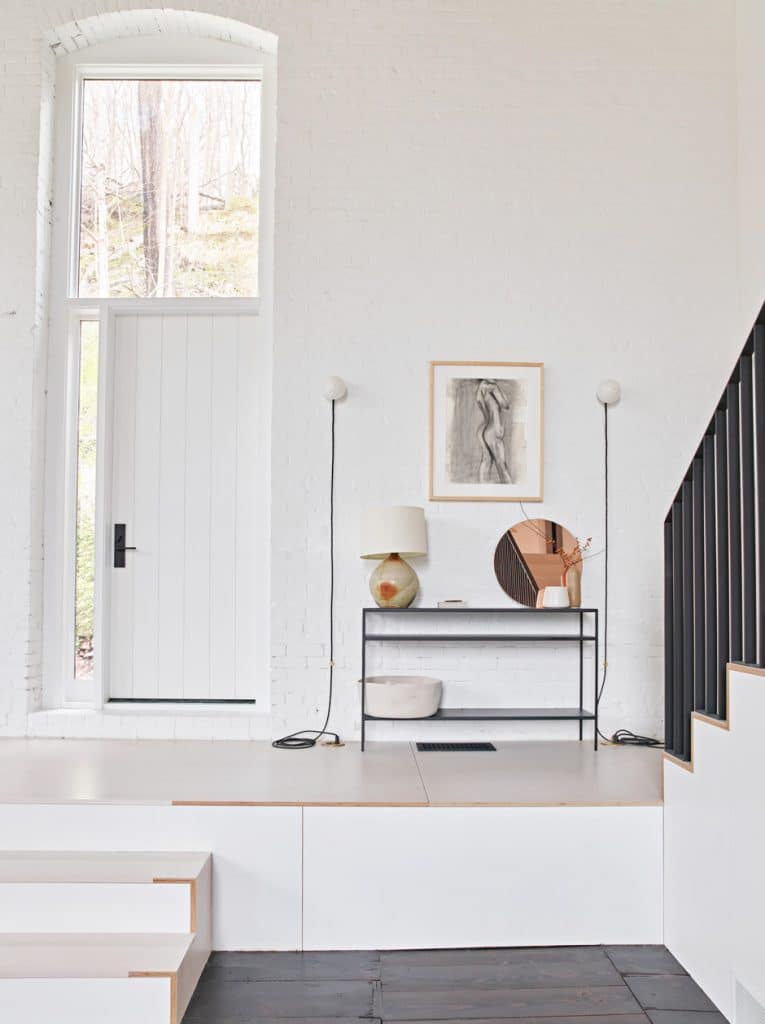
{"x": 402, "y": 696}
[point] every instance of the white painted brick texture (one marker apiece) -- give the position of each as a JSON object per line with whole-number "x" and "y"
{"x": 488, "y": 180}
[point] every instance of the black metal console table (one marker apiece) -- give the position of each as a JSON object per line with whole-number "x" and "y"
{"x": 575, "y": 636}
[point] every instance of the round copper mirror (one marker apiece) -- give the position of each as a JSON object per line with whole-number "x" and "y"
{"x": 538, "y": 553}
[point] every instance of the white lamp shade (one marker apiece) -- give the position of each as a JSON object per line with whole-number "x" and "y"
{"x": 393, "y": 529}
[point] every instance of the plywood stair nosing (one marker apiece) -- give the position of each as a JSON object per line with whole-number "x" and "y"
{"x": 705, "y": 719}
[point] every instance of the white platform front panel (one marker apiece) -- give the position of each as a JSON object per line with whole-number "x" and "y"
{"x": 387, "y": 877}
{"x": 390, "y": 878}
{"x": 85, "y": 1000}
{"x": 256, "y": 856}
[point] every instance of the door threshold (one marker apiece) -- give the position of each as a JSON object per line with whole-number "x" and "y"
{"x": 179, "y": 700}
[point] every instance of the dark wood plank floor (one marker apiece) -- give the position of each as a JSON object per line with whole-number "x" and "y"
{"x": 567, "y": 985}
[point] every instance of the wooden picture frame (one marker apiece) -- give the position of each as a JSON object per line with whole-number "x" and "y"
{"x": 486, "y": 431}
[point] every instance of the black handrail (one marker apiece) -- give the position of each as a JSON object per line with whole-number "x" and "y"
{"x": 714, "y": 583}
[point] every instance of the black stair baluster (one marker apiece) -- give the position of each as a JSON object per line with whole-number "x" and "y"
{"x": 677, "y": 626}
{"x": 687, "y": 591}
{"x": 748, "y": 537}
{"x": 710, "y": 574}
{"x": 723, "y": 626}
{"x": 734, "y": 517}
{"x": 668, "y": 637}
{"x": 699, "y": 622}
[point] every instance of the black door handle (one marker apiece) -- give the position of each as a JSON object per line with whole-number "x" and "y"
{"x": 120, "y": 547}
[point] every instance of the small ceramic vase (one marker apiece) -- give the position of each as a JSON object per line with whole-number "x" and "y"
{"x": 572, "y": 579}
{"x": 556, "y": 597}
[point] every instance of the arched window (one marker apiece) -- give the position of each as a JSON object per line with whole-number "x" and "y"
{"x": 159, "y": 372}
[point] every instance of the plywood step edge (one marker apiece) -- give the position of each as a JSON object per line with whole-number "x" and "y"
{"x": 717, "y": 723}
{"x": 107, "y": 867}
{"x": 91, "y": 955}
{"x": 179, "y": 957}
{"x": 100, "y": 866}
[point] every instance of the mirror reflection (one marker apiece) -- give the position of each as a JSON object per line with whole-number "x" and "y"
{"x": 539, "y": 553}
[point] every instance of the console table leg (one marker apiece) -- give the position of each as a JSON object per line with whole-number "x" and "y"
{"x": 581, "y": 673}
{"x": 363, "y": 676}
{"x": 597, "y": 656}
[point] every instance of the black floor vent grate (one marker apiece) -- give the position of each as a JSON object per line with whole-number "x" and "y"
{"x": 455, "y": 747}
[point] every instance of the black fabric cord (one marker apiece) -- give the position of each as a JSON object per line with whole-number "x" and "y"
{"x": 623, "y": 737}
{"x": 306, "y": 738}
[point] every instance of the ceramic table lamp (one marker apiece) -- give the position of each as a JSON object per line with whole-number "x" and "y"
{"x": 390, "y": 533}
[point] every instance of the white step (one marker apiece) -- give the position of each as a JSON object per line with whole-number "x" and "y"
{"x": 84, "y": 979}
{"x": 88, "y": 937}
{"x": 102, "y": 892}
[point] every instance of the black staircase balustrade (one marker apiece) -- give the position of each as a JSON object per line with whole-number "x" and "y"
{"x": 714, "y": 554}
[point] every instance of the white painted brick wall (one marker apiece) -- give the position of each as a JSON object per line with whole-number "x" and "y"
{"x": 497, "y": 179}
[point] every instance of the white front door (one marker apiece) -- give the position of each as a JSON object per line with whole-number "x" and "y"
{"x": 182, "y": 607}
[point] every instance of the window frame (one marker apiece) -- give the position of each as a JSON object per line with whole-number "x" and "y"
{"x": 60, "y": 687}
{"x": 79, "y": 691}
{"x": 136, "y": 72}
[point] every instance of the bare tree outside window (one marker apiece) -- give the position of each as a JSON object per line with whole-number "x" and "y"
{"x": 85, "y": 547}
{"x": 170, "y": 188}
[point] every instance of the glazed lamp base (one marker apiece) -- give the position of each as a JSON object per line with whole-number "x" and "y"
{"x": 394, "y": 583}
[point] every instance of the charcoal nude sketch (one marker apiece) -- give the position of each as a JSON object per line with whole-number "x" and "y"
{"x": 486, "y": 433}
{"x": 492, "y": 401}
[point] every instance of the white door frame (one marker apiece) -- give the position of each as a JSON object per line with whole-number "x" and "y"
{"x": 197, "y": 57}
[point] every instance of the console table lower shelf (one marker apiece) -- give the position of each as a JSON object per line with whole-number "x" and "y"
{"x": 577, "y": 636}
{"x": 498, "y": 715}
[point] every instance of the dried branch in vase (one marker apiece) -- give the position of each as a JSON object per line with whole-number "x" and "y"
{"x": 575, "y": 555}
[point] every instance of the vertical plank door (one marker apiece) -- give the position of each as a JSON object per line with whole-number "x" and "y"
{"x": 182, "y": 609}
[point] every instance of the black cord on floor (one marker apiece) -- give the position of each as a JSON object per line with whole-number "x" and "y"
{"x": 627, "y": 738}
{"x": 622, "y": 737}
{"x": 306, "y": 738}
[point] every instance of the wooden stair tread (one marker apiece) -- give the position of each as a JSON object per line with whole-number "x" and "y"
{"x": 91, "y": 956}
{"x": 718, "y": 721}
{"x": 99, "y": 867}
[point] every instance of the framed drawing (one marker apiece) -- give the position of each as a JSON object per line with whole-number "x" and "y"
{"x": 486, "y": 431}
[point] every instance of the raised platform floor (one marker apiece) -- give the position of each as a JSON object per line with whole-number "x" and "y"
{"x": 393, "y": 774}
{"x": 534, "y": 844}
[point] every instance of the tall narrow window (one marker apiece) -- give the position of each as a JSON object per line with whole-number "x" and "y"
{"x": 162, "y": 247}
{"x": 85, "y": 548}
{"x": 170, "y": 177}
